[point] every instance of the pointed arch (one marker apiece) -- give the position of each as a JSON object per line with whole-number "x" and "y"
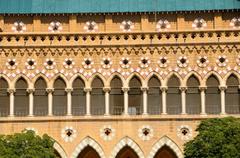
{"x": 170, "y": 75}
{"x": 135, "y": 97}
{"x": 88, "y": 141}
{"x": 59, "y": 97}
{"x": 2, "y": 76}
{"x": 115, "y": 74}
{"x": 4, "y": 98}
{"x": 40, "y": 75}
{"x": 78, "y": 96}
{"x": 231, "y": 73}
{"x": 126, "y": 141}
{"x": 191, "y": 74}
{"x": 137, "y": 75}
{"x": 193, "y": 97}
{"x": 74, "y": 77}
{"x": 116, "y": 96}
{"x": 60, "y": 150}
{"x": 165, "y": 141}
{"x": 97, "y": 96}
{"x": 96, "y": 75}
{"x": 212, "y": 73}
{"x": 213, "y": 97}
{"x": 174, "y": 105}
{"x": 52, "y": 81}
{"x": 232, "y": 94}
{"x": 20, "y": 76}
{"x": 154, "y": 96}
{"x": 40, "y": 107}
{"x": 154, "y": 74}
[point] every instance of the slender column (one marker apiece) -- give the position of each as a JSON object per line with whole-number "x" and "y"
{"x": 11, "y": 94}
{"x": 203, "y": 105}
{"x": 144, "y": 90}
{"x": 125, "y": 91}
{"x": 183, "y": 99}
{"x": 106, "y": 90}
{"x": 69, "y": 101}
{"x": 222, "y": 89}
{"x": 88, "y": 100}
{"x": 30, "y": 94}
{"x": 164, "y": 100}
{"x": 50, "y": 100}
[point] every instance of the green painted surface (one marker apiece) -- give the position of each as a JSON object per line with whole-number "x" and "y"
{"x": 110, "y": 6}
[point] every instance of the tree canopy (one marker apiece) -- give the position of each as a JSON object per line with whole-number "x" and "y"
{"x": 217, "y": 138}
{"x": 26, "y": 145}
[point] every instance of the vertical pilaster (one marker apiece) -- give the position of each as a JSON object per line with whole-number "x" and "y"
{"x": 180, "y": 22}
{"x": 11, "y": 96}
{"x": 144, "y": 90}
{"x": 37, "y": 24}
{"x": 88, "y": 100}
{"x": 31, "y": 101}
{"x": 69, "y": 101}
{"x": 144, "y": 22}
{"x": 108, "y": 23}
{"x": 203, "y": 105}
{"x": 222, "y": 90}
{"x": 125, "y": 92}
{"x": 106, "y": 90}
{"x": 50, "y": 100}
{"x": 72, "y": 23}
{"x": 183, "y": 99}
{"x": 218, "y": 22}
{"x": 164, "y": 100}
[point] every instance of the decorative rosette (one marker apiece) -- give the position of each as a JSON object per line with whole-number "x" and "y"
{"x": 55, "y": 26}
{"x": 125, "y": 62}
{"x": 11, "y": 64}
{"x": 182, "y": 61}
{"x": 68, "y": 134}
{"x": 106, "y": 63}
{"x": 202, "y": 61}
{"x": 222, "y": 60}
{"x": 145, "y": 132}
{"x": 19, "y": 26}
{"x": 30, "y": 64}
{"x": 199, "y": 23}
{"x": 68, "y": 63}
{"x": 163, "y": 25}
{"x": 127, "y": 26}
{"x": 87, "y": 63}
{"x": 184, "y": 132}
{"x": 144, "y": 62}
{"x": 235, "y": 23}
{"x": 90, "y": 26}
{"x": 49, "y": 64}
{"x": 163, "y": 62}
{"x": 107, "y": 132}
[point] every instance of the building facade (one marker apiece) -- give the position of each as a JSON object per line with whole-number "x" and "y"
{"x": 118, "y": 82}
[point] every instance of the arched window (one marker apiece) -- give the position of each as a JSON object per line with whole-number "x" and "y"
{"x": 165, "y": 152}
{"x": 232, "y": 95}
{"x": 116, "y": 97}
{"x": 97, "y": 97}
{"x": 193, "y": 98}
{"x": 59, "y": 98}
{"x": 154, "y": 96}
{"x": 135, "y": 103}
{"x": 173, "y": 96}
{"x": 88, "y": 152}
{"x": 21, "y": 101}
{"x": 127, "y": 152}
{"x": 213, "y": 98}
{"x": 78, "y": 97}
{"x": 4, "y": 98}
{"x": 40, "y": 107}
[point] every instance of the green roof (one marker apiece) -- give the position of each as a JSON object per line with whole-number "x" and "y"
{"x": 112, "y": 6}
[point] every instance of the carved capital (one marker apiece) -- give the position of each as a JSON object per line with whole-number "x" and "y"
{"x": 163, "y": 88}
{"x": 183, "y": 89}
{"x": 144, "y": 89}
{"x": 30, "y": 90}
{"x": 50, "y": 90}
{"x": 87, "y": 90}
{"x": 203, "y": 88}
{"x": 125, "y": 89}
{"x": 106, "y": 89}
{"x": 11, "y": 90}
{"x": 222, "y": 88}
{"x": 68, "y": 90}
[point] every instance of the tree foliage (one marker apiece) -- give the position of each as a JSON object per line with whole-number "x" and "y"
{"x": 217, "y": 138}
{"x": 26, "y": 145}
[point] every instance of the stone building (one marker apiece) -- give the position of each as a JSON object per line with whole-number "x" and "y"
{"x": 118, "y": 78}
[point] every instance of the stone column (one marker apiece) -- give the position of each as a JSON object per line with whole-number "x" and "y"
{"x": 164, "y": 100}
{"x": 69, "y": 101}
{"x": 107, "y": 90}
{"x": 183, "y": 99}
{"x": 50, "y": 101}
{"x": 222, "y": 90}
{"x": 125, "y": 91}
{"x": 203, "y": 105}
{"x": 144, "y": 90}
{"x": 11, "y": 92}
{"x": 88, "y": 100}
{"x": 31, "y": 101}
